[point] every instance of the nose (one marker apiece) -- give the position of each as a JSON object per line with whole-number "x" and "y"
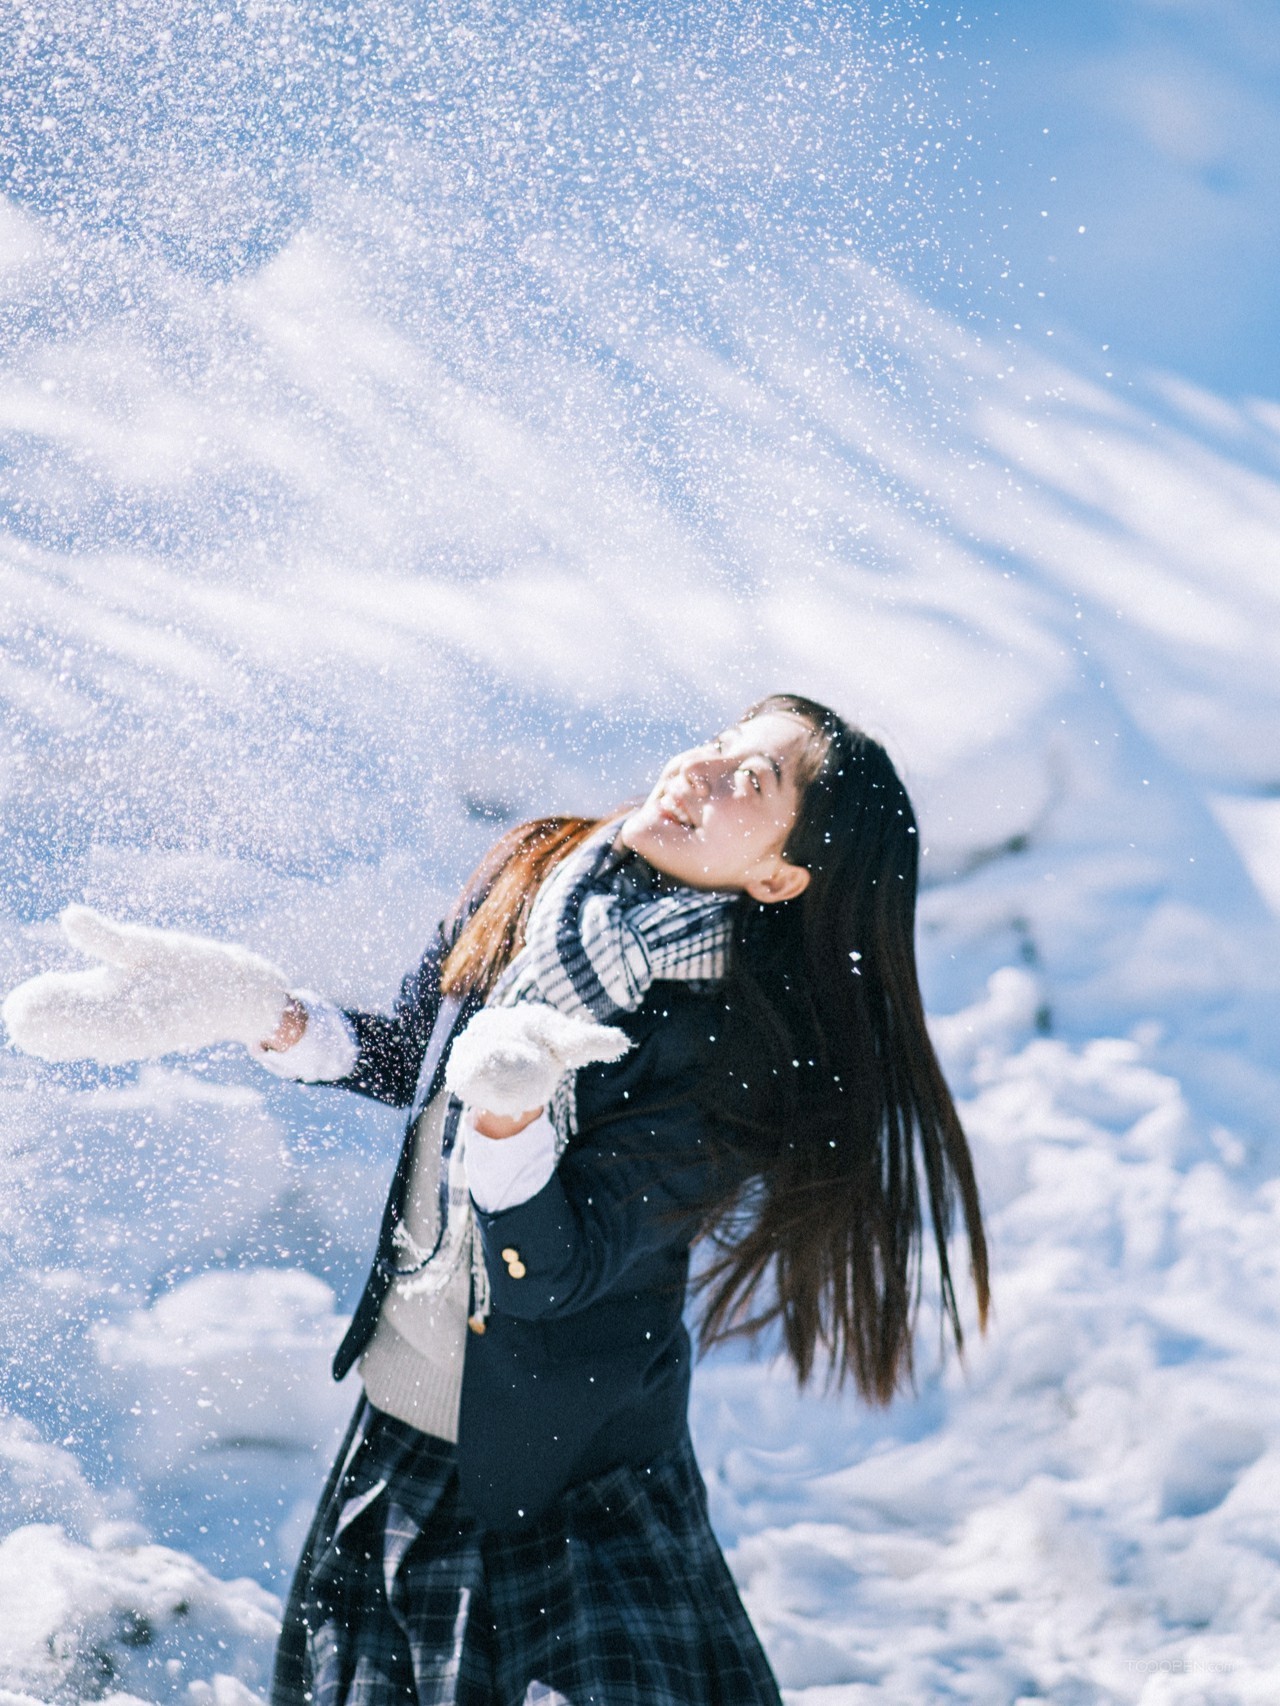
{"x": 702, "y": 767}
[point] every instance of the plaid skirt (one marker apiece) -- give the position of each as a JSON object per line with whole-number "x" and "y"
{"x": 618, "y": 1596}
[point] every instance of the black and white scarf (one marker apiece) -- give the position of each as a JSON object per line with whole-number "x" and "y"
{"x": 605, "y": 926}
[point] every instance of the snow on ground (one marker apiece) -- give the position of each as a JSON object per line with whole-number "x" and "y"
{"x": 1087, "y": 1512}
{"x": 92, "y": 1609}
{"x": 317, "y": 573}
{"x": 121, "y": 1619}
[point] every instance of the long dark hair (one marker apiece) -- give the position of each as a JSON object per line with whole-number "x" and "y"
{"x": 828, "y": 1071}
{"x": 823, "y": 1070}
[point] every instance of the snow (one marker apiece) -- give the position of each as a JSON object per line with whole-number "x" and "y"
{"x": 227, "y": 1361}
{"x": 321, "y": 565}
{"x": 93, "y": 1609}
{"x": 124, "y": 1620}
{"x": 1085, "y": 1505}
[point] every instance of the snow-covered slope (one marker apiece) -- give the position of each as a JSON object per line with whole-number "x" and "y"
{"x": 318, "y": 571}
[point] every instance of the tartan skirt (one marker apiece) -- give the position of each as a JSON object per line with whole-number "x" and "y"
{"x": 618, "y": 1596}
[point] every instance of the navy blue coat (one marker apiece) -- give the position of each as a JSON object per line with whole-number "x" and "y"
{"x": 585, "y": 1361}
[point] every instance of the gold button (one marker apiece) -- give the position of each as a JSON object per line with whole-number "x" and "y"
{"x": 510, "y": 1254}
{"x": 516, "y": 1269}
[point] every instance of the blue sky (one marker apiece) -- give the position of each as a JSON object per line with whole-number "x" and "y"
{"x": 1155, "y": 124}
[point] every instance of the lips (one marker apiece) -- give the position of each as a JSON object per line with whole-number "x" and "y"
{"x": 674, "y": 812}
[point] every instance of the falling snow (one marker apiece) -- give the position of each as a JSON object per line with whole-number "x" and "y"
{"x": 414, "y": 418}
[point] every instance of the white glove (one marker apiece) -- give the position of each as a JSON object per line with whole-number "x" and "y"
{"x": 510, "y": 1059}
{"x": 160, "y": 992}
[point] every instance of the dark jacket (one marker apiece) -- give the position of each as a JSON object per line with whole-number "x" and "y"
{"x": 585, "y": 1361}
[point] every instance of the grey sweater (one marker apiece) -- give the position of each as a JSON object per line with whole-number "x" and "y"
{"x": 412, "y": 1366}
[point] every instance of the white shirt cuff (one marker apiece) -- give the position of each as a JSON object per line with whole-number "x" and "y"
{"x": 326, "y": 1050}
{"x": 505, "y": 1171}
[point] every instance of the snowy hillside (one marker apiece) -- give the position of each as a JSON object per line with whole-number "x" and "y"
{"x": 318, "y": 570}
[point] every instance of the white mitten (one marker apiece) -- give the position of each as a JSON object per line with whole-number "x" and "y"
{"x": 510, "y": 1059}
{"x": 160, "y": 992}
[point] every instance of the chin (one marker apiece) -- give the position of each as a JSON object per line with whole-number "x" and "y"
{"x": 653, "y": 840}
{"x": 632, "y": 830}
{"x": 642, "y": 833}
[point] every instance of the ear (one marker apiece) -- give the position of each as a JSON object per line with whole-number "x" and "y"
{"x": 784, "y": 882}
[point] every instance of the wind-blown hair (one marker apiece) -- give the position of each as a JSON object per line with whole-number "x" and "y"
{"x": 822, "y": 1069}
{"x": 829, "y": 1073}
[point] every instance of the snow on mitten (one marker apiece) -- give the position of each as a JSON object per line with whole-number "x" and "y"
{"x": 510, "y": 1059}
{"x": 159, "y": 992}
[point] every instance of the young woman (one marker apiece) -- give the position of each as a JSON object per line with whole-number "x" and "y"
{"x": 516, "y": 1514}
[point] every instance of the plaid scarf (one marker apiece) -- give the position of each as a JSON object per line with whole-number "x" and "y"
{"x": 604, "y": 927}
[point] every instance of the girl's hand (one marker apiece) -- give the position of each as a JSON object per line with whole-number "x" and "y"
{"x": 510, "y": 1059}
{"x": 152, "y": 992}
{"x": 502, "y": 1125}
{"x": 290, "y": 1030}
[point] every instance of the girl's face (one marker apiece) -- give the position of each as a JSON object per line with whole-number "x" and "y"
{"x": 720, "y": 814}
